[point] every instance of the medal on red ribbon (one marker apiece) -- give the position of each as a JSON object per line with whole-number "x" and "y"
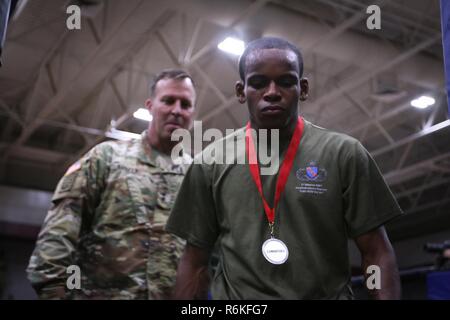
{"x": 273, "y": 249}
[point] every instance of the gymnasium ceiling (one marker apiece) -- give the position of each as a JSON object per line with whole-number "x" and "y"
{"x": 61, "y": 90}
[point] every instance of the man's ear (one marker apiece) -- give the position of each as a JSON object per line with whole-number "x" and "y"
{"x": 149, "y": 104}
{"x": 240, "y": 94}
{"x": 304, "y": 89}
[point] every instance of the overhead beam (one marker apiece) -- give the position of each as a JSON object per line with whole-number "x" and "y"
{"x": 416, "y": 170}
{"x": 391, "y": 113}
{"x": 364, "y": 76}
{"x": 119, "y": 122}
{"x": 361, "y": 107}
{"x": 208, "y": 82}
{"x": 429, "y": 205}
{"x": 10, "y": 113}
{"x": 439, "y": 126}
{"x": 341, "y": 28}
{"x": 58, "y": 99}
{"x": 230, "y": 100}
{"x": 36, "y": 154}
{"x": 167, "y": 47}
{"x": 193, "y": 41}
{"x": 61, "y": 94}
{"x": 320, "y": 103}
{"x": 245, "y": 14}
{"x": 428, "y": 185}
{"x": 28, "y": 98}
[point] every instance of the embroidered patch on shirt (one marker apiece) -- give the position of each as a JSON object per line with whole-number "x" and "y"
{"x": 67, "y": 182}
{"x": 312, "y": 173}
{"x": 312, "y": 177}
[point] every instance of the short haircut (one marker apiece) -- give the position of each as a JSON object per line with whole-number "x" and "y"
{"x": 175, "y": 74}
{"x": 268, "y": 43}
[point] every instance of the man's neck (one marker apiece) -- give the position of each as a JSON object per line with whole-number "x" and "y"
{"x": 285, "y": 133}
{"x": 164, "y": 146}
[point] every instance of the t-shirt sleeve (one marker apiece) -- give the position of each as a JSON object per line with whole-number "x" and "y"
{"x": 368, "y": 201}
{"x": 193, "y": 216}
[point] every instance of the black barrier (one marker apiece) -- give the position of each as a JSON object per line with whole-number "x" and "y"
{"x": 6, "y": 10}
{"x": 5, "y": 6}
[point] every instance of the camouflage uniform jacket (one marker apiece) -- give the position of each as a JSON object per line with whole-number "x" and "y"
{"x": 108, "y": 217}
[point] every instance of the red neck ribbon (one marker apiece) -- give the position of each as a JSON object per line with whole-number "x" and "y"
{"x": 284, "y": 170}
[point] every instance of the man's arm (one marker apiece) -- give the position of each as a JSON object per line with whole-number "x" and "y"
{"x": 376, "y": 249}
{"x": 74, "y": 202}
{"x": 192, "y": 276}
{"x": 55, "y": 248}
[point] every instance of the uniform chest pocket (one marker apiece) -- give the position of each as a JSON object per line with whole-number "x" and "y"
{"x": 153, "y": 194}
{"x": 143, "y": 189}
{"x": 167, "y": 190}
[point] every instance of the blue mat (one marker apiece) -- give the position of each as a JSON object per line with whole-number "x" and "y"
{"x": 438, "y": 285}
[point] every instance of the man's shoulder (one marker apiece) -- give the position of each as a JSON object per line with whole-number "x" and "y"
{"x": 185, "y": 159}
{"x": 231, "y": 135}
{"x": 335, "y": 138}
{"x": 108, "y": 149}
{"x": 216, "y": 151}
{"x": 112, "y": 145}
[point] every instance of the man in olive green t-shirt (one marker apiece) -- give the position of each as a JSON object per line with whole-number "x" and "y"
{"x": 283, "y": 236}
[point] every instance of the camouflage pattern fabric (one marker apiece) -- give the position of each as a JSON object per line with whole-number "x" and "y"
{"x": 108, "y": 217}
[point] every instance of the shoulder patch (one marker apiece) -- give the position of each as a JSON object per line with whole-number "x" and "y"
{"x": 69, "y": 177}
{"x": 67, "y": 182}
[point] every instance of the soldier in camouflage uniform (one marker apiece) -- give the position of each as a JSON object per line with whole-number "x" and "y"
{"x": 110, "y": 209}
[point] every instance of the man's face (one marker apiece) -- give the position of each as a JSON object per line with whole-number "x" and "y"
{"x": 272, "y": 88}
{"x": 172, "y": 106}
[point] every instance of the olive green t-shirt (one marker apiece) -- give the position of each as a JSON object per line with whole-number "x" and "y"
{"x": 335, "y": 191}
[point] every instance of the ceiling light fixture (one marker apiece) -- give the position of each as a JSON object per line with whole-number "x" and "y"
{"x": 422, "y": 102}
{"x": 121, "y": 135}
{"x": 232, "y": 45}
{"x": 143, "y": 114}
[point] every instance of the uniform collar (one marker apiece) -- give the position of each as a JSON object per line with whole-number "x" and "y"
{"x": 149, "y": 155}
